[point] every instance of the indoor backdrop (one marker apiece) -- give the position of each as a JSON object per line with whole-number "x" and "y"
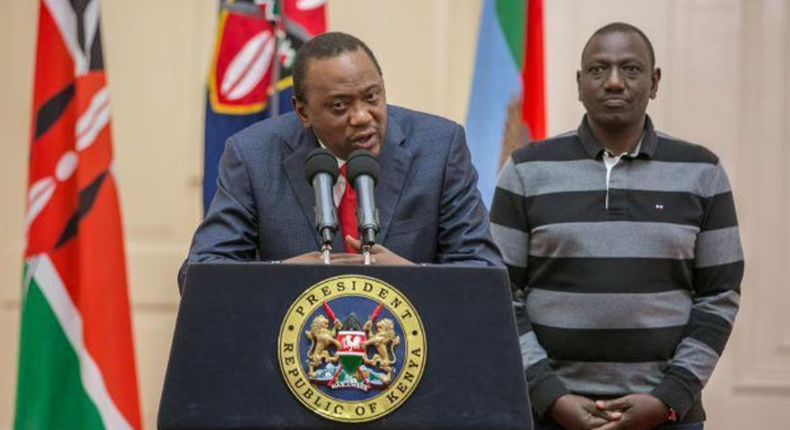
{"x": 726, "y": 85}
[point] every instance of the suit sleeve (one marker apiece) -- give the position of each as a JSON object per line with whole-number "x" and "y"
{"x": 229, "y": 231}
{"x": 718, "y": 270}
{"x": 463, "y": 236}
{"x": 510, "y": 230}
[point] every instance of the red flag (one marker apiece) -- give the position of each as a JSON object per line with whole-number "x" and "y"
{"x": 533, "y": 103}
{"x": 76, "y": 362}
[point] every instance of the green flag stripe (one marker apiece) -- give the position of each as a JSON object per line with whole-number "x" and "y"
{"x": 51, "y": 286}
{"x": 50, "y": 394}
{"x": 511, "y": 19}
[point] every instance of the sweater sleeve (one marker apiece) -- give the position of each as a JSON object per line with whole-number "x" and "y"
{"x": 718, "y": 270}
{"x": 510, "y": 230}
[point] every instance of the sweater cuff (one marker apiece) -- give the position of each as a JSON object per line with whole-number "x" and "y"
{"x": 676, "y": 395}
{"x": 543, "y": 393}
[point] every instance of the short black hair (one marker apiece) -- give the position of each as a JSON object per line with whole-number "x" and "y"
{"x": 622, "y": 27}
{"x": 326, "y": 45}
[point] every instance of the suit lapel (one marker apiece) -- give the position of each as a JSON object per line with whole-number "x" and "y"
{"x": 394, "y": 163}
{"x": 294, "y": 169}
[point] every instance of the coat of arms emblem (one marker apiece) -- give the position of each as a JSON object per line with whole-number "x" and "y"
{"x": 352, "y": 348}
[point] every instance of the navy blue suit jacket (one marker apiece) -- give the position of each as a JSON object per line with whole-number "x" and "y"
{"x": 429, "y": 207}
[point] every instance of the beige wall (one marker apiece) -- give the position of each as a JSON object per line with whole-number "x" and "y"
{"x": 16, "y": 23}
{"x": 726, "y": 85}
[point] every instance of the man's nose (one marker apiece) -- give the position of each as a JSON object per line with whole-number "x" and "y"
{"x": 614, "y": 80}
{"x": 360, "y": 115}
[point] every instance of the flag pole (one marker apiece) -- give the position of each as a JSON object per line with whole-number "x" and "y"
{"x": 278, "y": 35}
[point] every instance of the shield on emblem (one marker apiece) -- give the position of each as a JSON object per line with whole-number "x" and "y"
{"x": 351, "y": 349}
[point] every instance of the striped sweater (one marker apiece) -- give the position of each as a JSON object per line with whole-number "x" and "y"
{"x": 626, "y": 280}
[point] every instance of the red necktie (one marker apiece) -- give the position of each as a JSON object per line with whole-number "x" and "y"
{"x": 347, "y": 209}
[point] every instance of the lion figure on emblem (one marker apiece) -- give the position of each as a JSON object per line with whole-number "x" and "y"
{"x": 322, "y": 337}
{"x": 383, "y": 337}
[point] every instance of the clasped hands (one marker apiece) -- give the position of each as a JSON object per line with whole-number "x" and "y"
{"x": 378, "y": 255}
{"x": 631, "y": 412}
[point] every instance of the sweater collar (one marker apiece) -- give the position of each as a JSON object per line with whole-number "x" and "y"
{"x": 646, "y": 147}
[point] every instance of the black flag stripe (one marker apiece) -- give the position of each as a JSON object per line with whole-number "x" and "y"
{"x": 87, "y": 199}
{"x": 49, "y": 113}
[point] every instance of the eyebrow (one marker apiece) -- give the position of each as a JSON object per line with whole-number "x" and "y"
{"x": 349, "y": 94}
{"x": 609, "y": 60}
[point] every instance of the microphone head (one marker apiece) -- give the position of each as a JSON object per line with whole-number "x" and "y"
{"x": 320, "y": 160}
{"x": 361, "y": 162}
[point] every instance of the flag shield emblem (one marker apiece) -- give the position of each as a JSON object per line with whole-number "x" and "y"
{"x": 241, "y": 74}
{"x": 250, "y": 77}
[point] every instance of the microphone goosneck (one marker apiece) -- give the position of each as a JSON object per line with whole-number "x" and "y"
{"x": 321, "y": 172}
{"x": 363, "y": 172}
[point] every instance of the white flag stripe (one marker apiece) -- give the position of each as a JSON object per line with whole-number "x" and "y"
{"x": 66, "y": 20}
{"x": 309, "y": 4}
{"x": 248, "y": 67}
{"x": 256, "y": 72}
{"x": 91, "y": 18}
{"x": 70, "y": 320}
{"x": 37, "y": 199}
{"x": 87, "y": 139}
{"x": 93, "y": 120}
{"x": 97, "y": 102}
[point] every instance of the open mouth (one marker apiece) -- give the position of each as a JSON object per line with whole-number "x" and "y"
{"x": 366, "y": 141}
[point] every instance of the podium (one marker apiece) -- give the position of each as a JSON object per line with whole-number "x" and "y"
{"x": 226, "y": 370}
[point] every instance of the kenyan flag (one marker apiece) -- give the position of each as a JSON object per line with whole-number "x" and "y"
{"x": 76, "y": 357}
{"x": 507, "y": 103}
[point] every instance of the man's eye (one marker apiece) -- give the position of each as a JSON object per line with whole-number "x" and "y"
{"x": 632, "y": 70}
{"x": 372, "y": 97}
{"x": 337, "y": 106}
{"x": 595, "y": 70}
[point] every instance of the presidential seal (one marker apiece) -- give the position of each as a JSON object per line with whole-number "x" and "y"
{"x": 352, "y": 348}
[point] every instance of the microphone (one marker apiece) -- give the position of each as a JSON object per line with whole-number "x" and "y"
{"x": 321, "y": 171}
{"x": 363, "y": 172}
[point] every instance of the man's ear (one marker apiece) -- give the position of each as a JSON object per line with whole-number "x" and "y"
{"x": 656, "y": 78}
{"x": 301, "y": 111}
{"x": 579, "y": 85}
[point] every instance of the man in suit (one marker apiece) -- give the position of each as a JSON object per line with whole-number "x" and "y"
{"x": 429, "y": 206}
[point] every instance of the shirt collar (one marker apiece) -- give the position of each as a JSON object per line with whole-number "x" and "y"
{"x": 340, "y": 162}
{"x": 646, "y": 147}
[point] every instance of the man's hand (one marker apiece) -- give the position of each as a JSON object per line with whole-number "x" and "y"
{"x": 639, "y": 412}
{"x": 580, "y": 413}
{"x": 317, "y": 257}
{"x": 379, "y": 254}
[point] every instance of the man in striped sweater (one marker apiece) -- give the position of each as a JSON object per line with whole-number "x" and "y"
{"x": 624, "y": 255}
